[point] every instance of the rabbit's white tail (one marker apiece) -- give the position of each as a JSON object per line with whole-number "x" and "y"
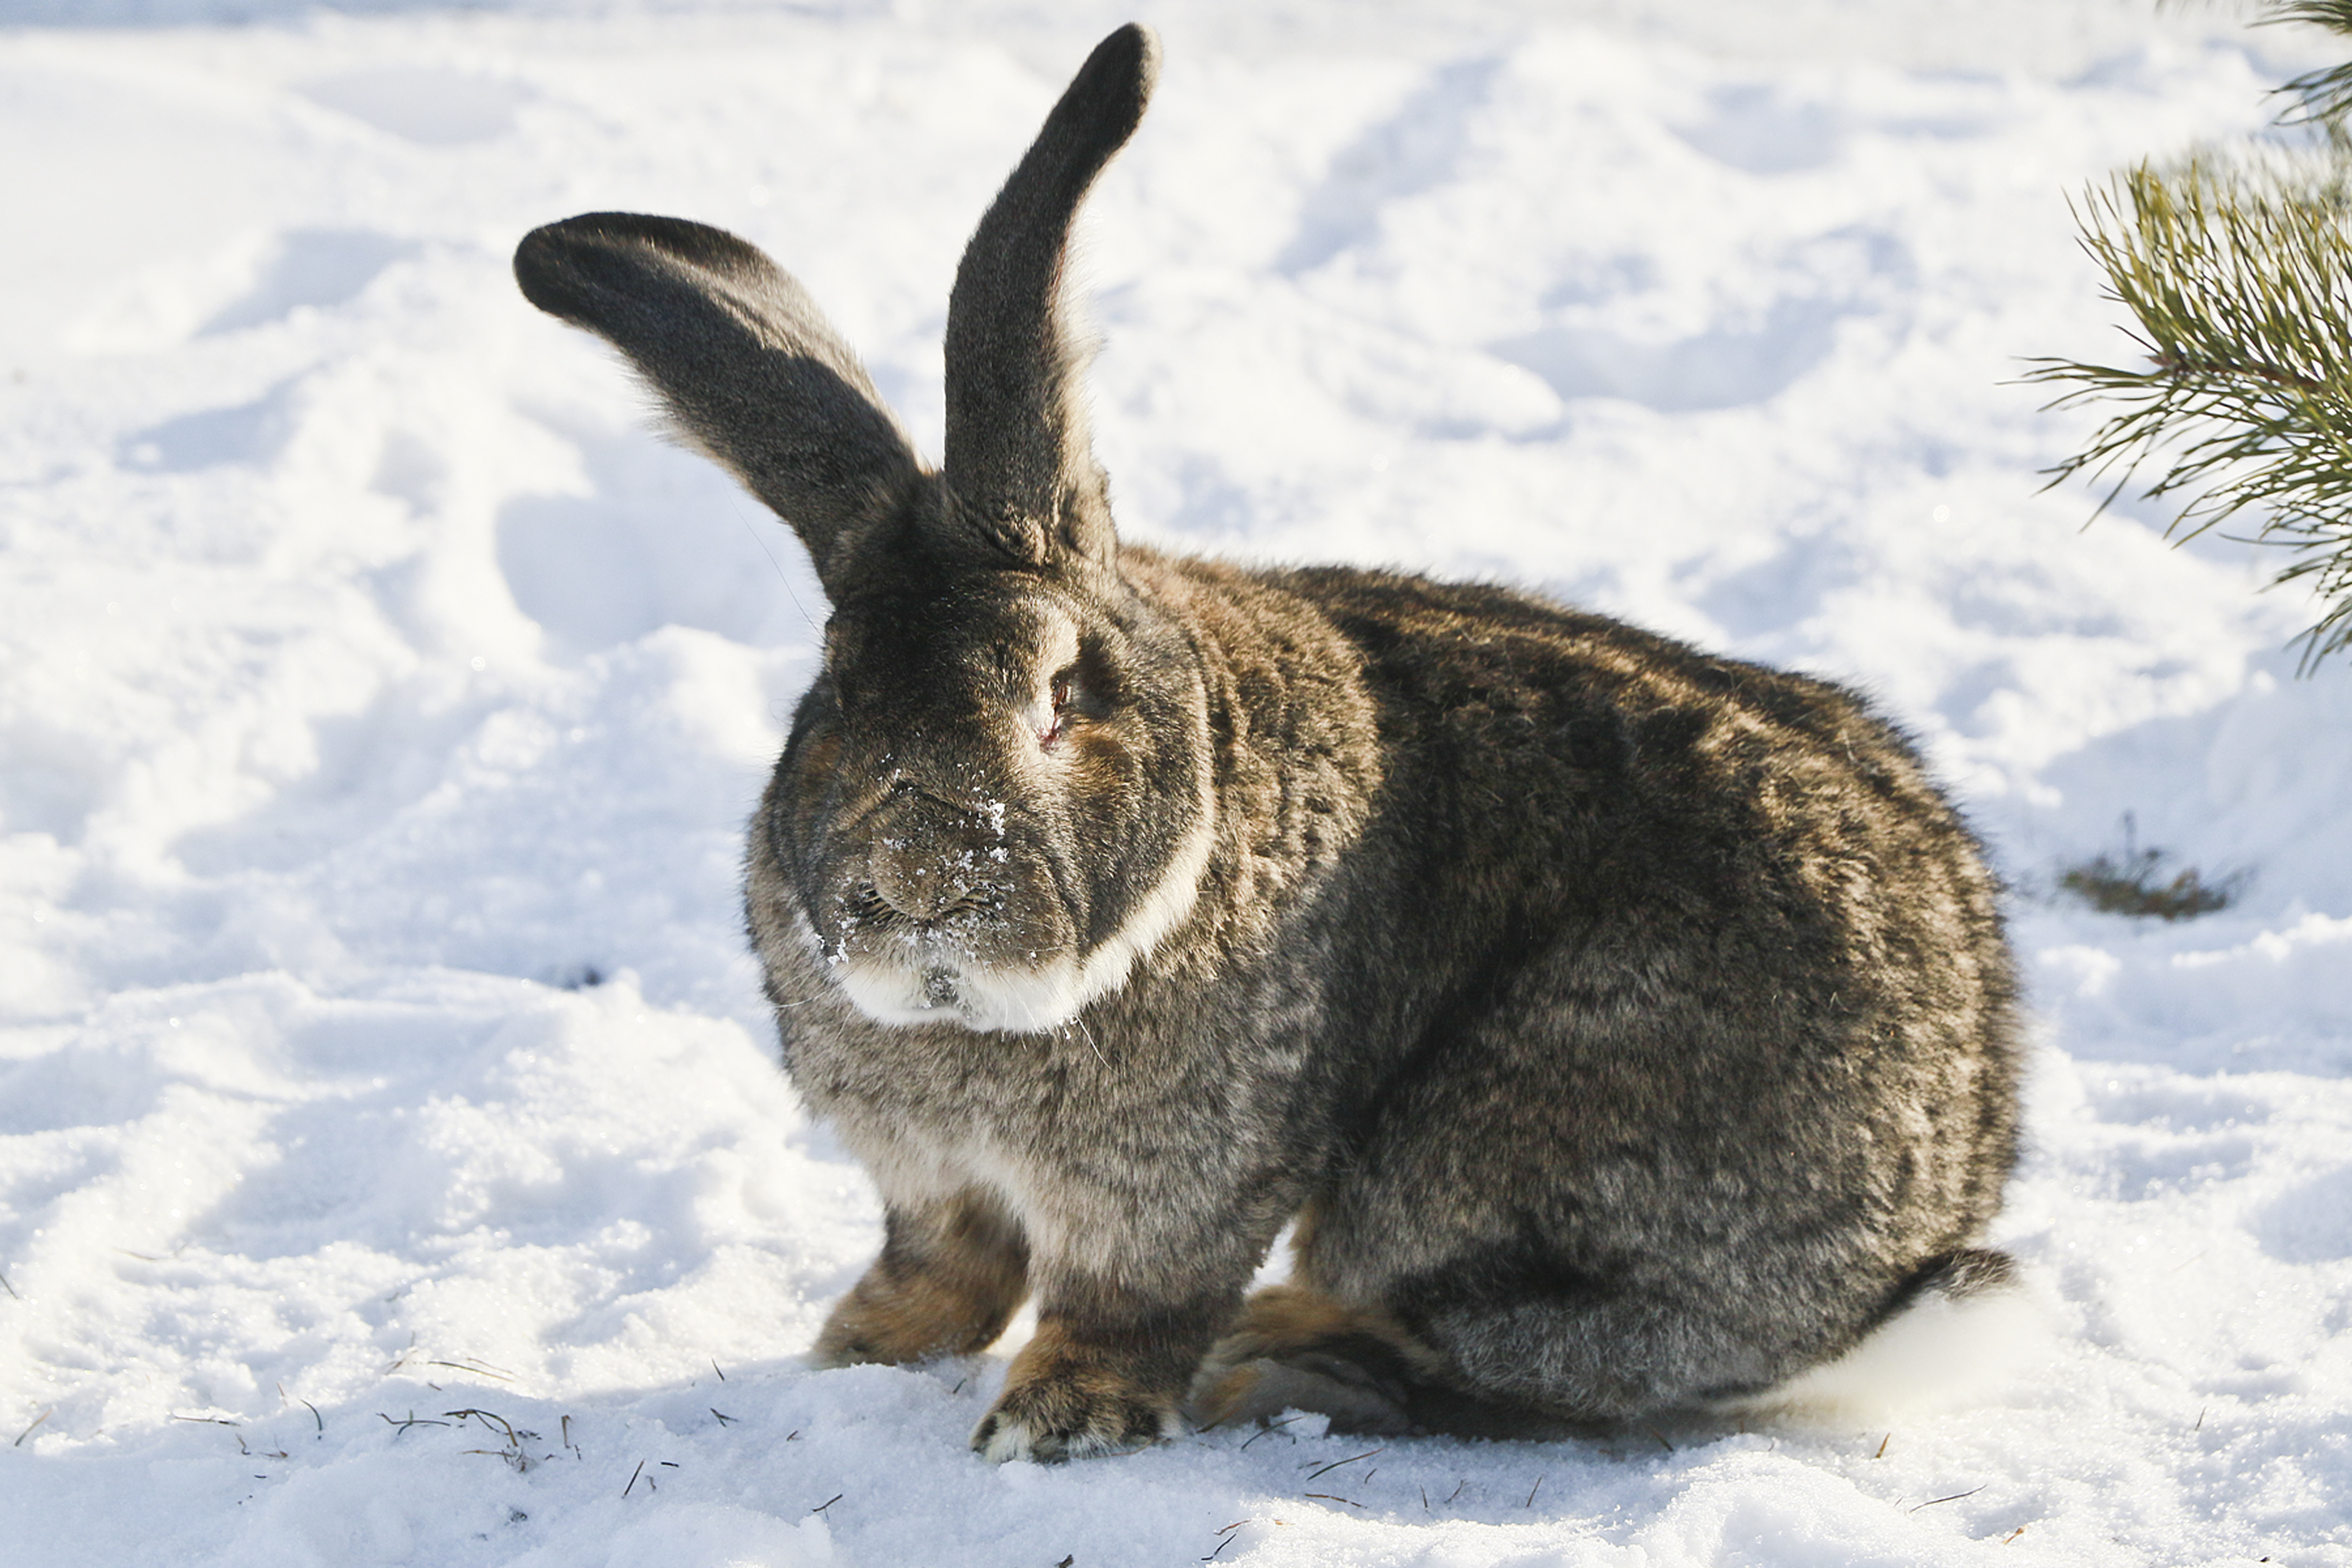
{"x": 1970, "y": 1326}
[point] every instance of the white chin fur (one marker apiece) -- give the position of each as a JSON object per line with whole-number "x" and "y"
{"x": 1024, "y": 1001}
{"x": 1937, "y": 1353}
{"x": 1039, "y": 998}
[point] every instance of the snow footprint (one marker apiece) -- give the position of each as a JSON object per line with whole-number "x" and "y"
{"x": 1751, "y": 352}
{"x": 424, "y": 104}
{"x": 321, "y": 268}
{"x": 1418, "y": 148}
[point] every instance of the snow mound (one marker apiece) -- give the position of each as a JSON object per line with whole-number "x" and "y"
{"x": 394, "y": 1167}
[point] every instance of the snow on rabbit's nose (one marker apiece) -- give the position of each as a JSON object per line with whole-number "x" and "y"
{"x": 927, "y": 869}
{"x": 912, "y": 883}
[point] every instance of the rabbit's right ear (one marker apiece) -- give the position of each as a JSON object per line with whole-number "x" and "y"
{"x": 1018, "y": 456}
{"x": 741, "y": 357}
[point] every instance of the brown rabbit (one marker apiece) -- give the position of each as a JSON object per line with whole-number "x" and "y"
{"x": 1624, "y": 1026}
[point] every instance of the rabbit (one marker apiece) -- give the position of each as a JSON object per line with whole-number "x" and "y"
{"x": 1624, "y": 1029}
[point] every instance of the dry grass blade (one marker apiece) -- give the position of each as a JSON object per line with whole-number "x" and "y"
{"x": 1271, "y": 1427}
{"x": 1224, "y": 1538}
{"x": 413, "y": 1420}
{"x": 513, "y": 1453}
{"x": 478, "y": 1368}
{"x": 1350, "y": 1460}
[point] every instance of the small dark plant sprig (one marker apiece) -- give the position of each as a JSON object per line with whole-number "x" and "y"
{"x": 2135, "y": 883}
{"x": 2237, "y": 273}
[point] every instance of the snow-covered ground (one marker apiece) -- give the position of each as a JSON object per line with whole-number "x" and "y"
{"x": 393, "y": 1164}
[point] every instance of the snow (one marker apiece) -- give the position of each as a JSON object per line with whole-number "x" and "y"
{"x": 381, "y": 700}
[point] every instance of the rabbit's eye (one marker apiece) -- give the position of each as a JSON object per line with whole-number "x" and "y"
{"x": 1061, "y": 703}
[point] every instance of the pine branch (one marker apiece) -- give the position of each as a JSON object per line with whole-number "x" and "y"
{"x": 2325, "y": 94}
{"x": 2239, "y": 280}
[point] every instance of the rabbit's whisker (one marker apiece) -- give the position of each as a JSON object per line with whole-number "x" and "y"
{"x": 1090, "y": 1033}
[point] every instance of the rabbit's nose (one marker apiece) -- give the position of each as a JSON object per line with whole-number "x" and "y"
{"x": 914, "y": 882}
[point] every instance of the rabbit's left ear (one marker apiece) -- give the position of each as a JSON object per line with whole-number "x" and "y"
{"x": 742, "y": 359}
{"x": 1018, "y": 457}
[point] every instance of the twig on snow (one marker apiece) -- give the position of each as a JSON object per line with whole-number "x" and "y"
{"x": 1349, "y": 1460}
{"x": 414, "y": 1420}
{"x": 1273, "y": 1426}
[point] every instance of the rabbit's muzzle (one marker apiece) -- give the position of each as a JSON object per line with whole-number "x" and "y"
{"x": 950, "y": 922}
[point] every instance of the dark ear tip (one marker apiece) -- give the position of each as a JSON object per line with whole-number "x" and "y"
{"x": 1126, "y": 64}
{"x": 556, "y": 264}
{"x": 1136, "y": 45}
{"x": 538, "y": 262}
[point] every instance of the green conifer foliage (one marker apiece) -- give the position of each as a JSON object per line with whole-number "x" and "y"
{"x": 2236, "y": 270}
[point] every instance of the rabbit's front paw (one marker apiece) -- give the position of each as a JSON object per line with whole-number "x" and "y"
{"x": 1065, "y": 1400}
{"x": 949, "y": 1278}
{"x": 896, "y": 1323}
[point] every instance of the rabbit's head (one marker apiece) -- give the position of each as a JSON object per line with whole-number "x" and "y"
{"x": 999, "y": 791}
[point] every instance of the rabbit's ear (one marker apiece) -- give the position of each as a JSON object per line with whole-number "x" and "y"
{"x": 742, "y": 359}
{"x": 1018, "y": 457}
